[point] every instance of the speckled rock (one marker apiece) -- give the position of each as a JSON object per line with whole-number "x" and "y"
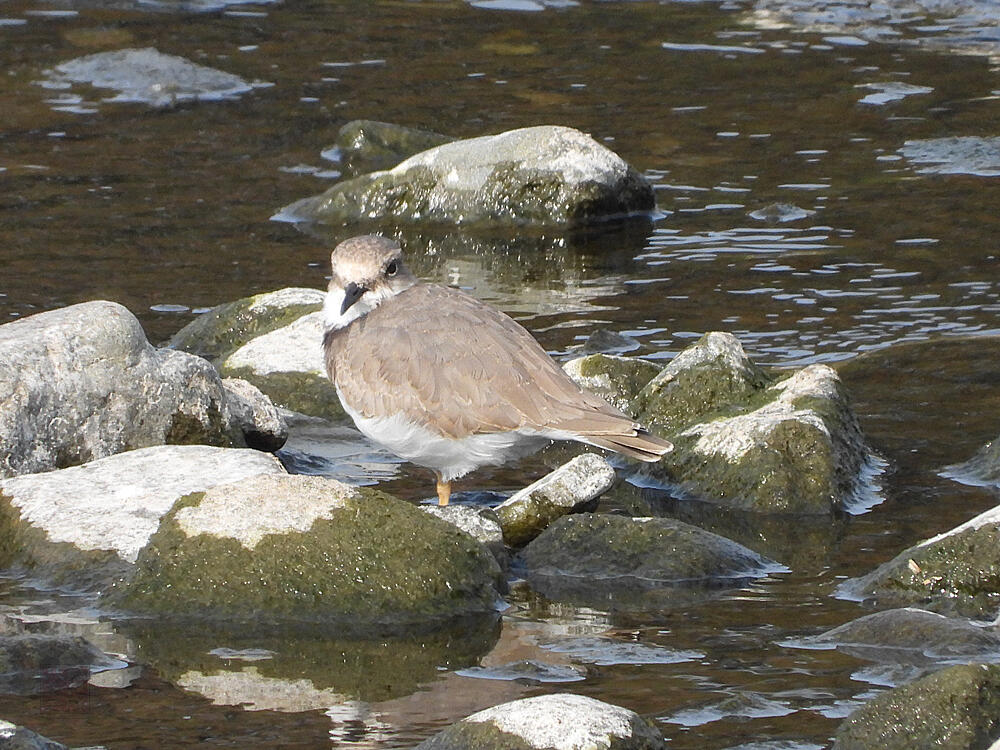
{"x": 276, "y": 548}
{"x": 287, "y": 364}
{"x": 480, "y": 523}
{"x": 219, "y": 332}
{"x": 263, "y": 426}
{"x": 561, "y": 721}
{"x": 615, "y": 379}
{"x": 82, "y": 383}
{"x": 540, "y": 175}
{"x": 86, "y": 524}
{"x": 958, "y": 707}
{"x": 35, "y": 664}
{"x": 956, "y": 571}
{"x": 572, "y": 488}
{"x": 746, "y": 440}
{"x": 368, "y": 145}
{"x": 13, "y": 737}
{"x": 594, "y": 558}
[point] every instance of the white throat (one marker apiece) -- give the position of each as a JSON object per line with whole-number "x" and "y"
{"x": 332, "y": 318}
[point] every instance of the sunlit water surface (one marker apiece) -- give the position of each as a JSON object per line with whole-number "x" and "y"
{"x": 167, "y": 211}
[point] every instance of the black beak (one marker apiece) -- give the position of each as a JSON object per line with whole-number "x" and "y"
{"x": 352, "y": 293}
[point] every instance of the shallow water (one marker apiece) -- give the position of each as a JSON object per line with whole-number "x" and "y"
{"x": 166, "y": 210}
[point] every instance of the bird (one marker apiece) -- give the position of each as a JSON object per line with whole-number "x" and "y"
{"x": 447, "y": 382}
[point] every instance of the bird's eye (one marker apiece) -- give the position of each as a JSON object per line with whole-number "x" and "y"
{"x": 390, "y": 270}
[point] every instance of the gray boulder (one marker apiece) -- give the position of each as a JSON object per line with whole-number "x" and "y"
{"x": 86, "y": 524}
{"x": 958, "y": 707}
{"x": 561, "y": 721}
{"x": 633, "y": 562}
{"x": 544, "y": 175}
{"x": 956, "y": 571}
{"x": 82, "y": 382}
{"x": 275, "y": 548}
{"x": 572, "y": 488}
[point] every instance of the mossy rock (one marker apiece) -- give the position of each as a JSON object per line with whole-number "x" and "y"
{"x": 958, "y": 707}
{"x": 222, "y": 330}
{"x": 958, "y": 571}
{"x": 370, "y": 145}
{"x": 603, "y": 557}
{"x": 546, "y": 175}
{"x": 288, "y": 548}
{"x": 615, "y": 379}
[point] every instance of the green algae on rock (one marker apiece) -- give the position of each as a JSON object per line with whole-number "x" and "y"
{"x": 614, "y": 378}
{"x": 306, "y": 548}
{"x": 744, "y": 438}
{"x": 543, "y": 175}
{"x": 219, "y": 332}
{"x": 958, "y": 707}
{"x": 573, "y": 487}
{"x": 957, "y": 571}
{"x": 368, "y": 145}
{"x": 604, "y": 557}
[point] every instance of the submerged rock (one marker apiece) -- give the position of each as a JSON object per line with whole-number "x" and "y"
{"x": 597, "y": 557}
{"x": 958, "y": 707}
{"x": 983, "y": 469}
{"x": 369, "y": 145}
{"x": 909, "y": 635}
{"x": 549, "y": 722}
{"x": 572, "y": 488}
{"x": 955, "y": 155}
{"x": 82, "y": 383}
{"x": 147, "y": 76}
{"x": 279, "y": 548}
{"x": 954, "y": 571}
{"x": 545, "y": 175}
{"x": 35, "y": 664}
{"x": 86, "y": 524}
{"x": 780, "y": 212}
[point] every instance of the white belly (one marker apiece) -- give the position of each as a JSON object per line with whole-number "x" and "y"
{"x": 451, "y": 458}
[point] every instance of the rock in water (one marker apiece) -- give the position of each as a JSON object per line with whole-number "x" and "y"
{"x": 545, "y": 175}
{"x": 82, "y": 383}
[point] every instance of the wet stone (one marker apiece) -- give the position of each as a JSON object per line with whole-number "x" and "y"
{"x": 370, "y": 145}
{"x": 146, "y": 76}
{"x": 482, "y": 524}
{"x": 528, "y": 671}
{"x": 983, "y": 469}
{"x": 35, "y": 664}
{"x": 561, "y": 721}
{"x": 572, "y": 488}
{"x": 615, "y": 379}
{"x": 601, "y": 557}
{"x": 957, "y": 707}
{"x": 956, "y": 571}
{"x": 545, "y": 175}
{"x": 319, "y": 550}
{"x": 780, "y": 212}
{"x": 608, "y": 342}
{"x": 909, "y": 634}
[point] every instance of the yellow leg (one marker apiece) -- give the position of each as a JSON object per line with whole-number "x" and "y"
{"x": 444, "y": 491}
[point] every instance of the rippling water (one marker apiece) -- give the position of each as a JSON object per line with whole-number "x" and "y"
{"x": 886, "y": 247}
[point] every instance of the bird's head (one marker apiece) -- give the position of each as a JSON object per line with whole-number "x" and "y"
{"x": 366, "y": 271}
